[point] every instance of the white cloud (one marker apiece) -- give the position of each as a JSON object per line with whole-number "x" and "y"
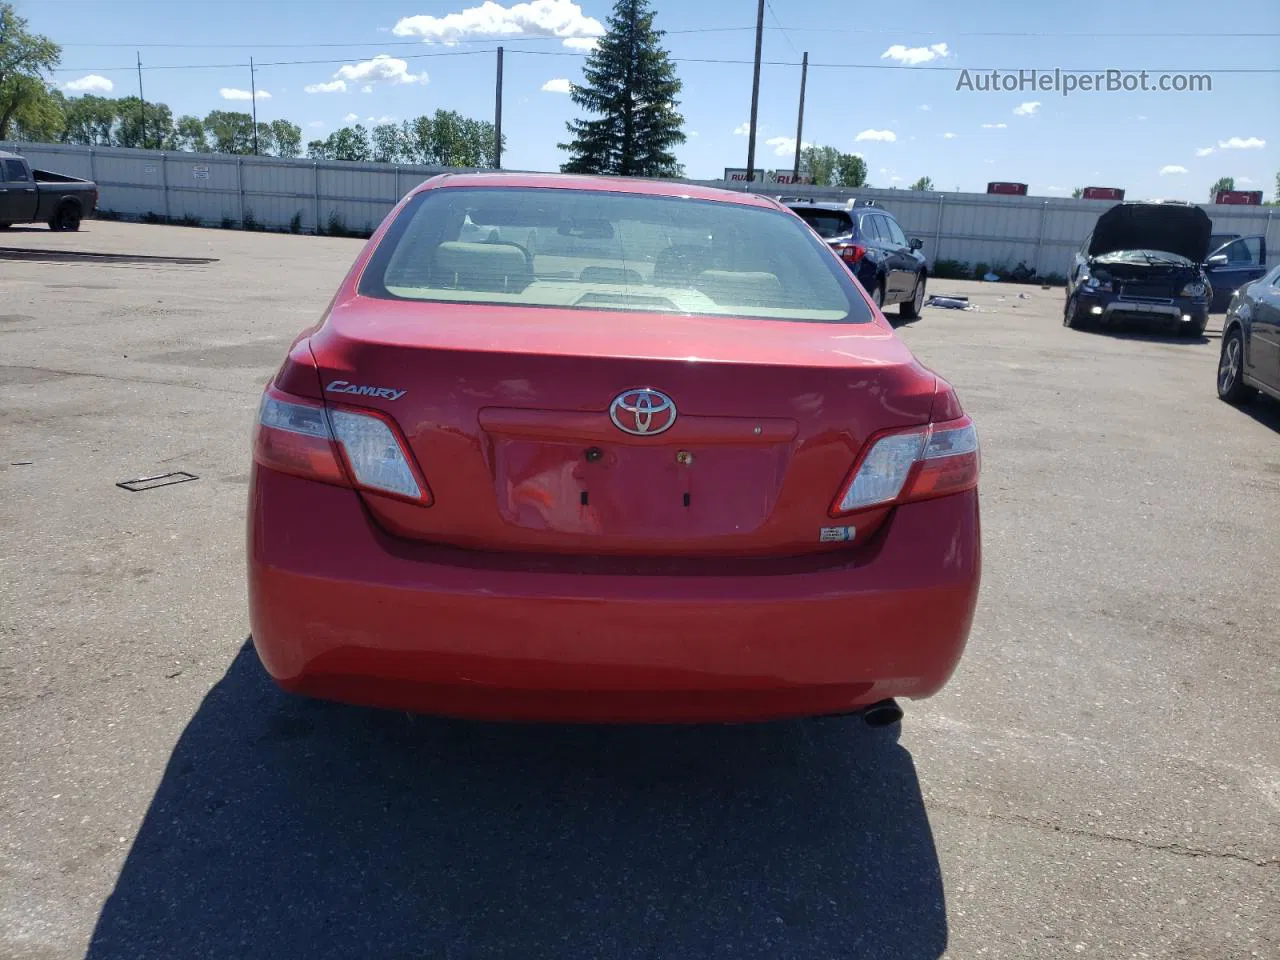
{"x": 316, "y": 124}
{"x": 383, "y": 67}
{"x": 1026, "y": 109}
{"x": 376, "y": 121}
{"x": 1245, "y": 180}
{"x": 895, "y": 179}
{"x": 994, "y": 126}
{"x": 556, "y": 85}
{"x": 949, "y": 136}
{"x": 888, "y": 136}
{"x": 336, "y": 86}
{"x": 884, "y": 169}
{"x": 742, "y": 130}
{"x": 785, "y": 146}
{"x": 913, "y": 55}
{"x": 694, "y": 133}
{"x": 1172, "y": 168}
{"x": 1053, "y": 189}
{"x": 925, "y": 106}
{"x": 367, "y": 88}
{"x": 1240, "y": 143}
{"x": 231, "y": 93}
{"x": 1204, "y": 151}
{"x": 1141, "y": 116}
{"x": 351, "y": 118}
{"x": 539, "y": 18}
{"x": 90, "y": 83}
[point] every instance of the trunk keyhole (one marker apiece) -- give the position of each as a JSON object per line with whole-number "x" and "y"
{"x": 583, "y": 497}
{"x": 593, "y": 454}
{"x": 686, "y": 499}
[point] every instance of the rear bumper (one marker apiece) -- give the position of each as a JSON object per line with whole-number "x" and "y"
{"x": 341, "y": 610}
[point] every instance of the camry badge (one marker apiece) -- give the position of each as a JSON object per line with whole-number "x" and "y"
{"x": 642, "y": 412}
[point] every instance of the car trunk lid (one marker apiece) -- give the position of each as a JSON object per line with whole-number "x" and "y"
{"x": 535, "y": 433}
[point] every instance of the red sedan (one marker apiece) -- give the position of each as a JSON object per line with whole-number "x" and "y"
{"x": 586, "y": 449}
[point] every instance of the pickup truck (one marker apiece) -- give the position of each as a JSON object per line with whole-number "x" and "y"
{"x": 34, "y": 196}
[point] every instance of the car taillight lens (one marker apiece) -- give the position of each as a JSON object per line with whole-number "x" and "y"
{"x": 913, "y": 464}
{"x": 342, "y": 446}
{"x": 851, "y": 252}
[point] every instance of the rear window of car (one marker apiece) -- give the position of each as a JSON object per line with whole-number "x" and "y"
{"x": 597, "y": 250}
{"x": 826, "y": 223}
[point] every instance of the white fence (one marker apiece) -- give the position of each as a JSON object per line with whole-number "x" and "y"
{"x": 217, "y": 189}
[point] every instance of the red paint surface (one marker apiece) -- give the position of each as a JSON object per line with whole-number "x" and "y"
{"x": 670, "y": 577}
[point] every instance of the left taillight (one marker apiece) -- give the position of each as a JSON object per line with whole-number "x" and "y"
{"x": 345, "y": 446}
{"x": 913, "y": 464}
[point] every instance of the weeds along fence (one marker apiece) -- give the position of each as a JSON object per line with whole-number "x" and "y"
{"x": 337, "y": 197}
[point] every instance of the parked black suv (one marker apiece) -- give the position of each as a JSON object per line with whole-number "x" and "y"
{"x": 868, "y": 239}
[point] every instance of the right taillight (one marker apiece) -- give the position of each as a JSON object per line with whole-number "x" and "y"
{"x": 345, "y": 446}
{"x": 851, "y": 252}
{"x": 913, "y": 464}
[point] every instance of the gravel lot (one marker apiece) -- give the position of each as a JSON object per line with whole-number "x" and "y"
{"x": 1101, "y": 778}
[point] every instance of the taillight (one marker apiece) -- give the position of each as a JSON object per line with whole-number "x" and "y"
{"x": 343, "y": 446}
{"x": 851, "y": 252}
{"x": 913, "y": 464}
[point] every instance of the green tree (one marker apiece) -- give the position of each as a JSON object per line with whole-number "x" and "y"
{"x": 25, "y": 59}
{"x": 1223, "y": 183}
{"x": 42, "y": 119}
{"x": 631, "y": 83}
{"x": 1077, "y": 193}
{"x": 229, "y": 131}
{"x": 349, "y": 143}
{"x": 388, "y": 144}
{"x": 188, "y": 134}
{"x": 821, "y": 164}
{"x": 831, "y": 168}
{"x": 286, "y": 138}
{"x": 131, "y": 113}
{"x": 924, "y": 183}
{"x": 447, "y": 139}
{"x": 89, "y": 120}
{"x": 851, "y": 171}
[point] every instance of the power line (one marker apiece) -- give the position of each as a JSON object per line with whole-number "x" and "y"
{"x": 917, "y": 68}
{"x": 785, "y": 35}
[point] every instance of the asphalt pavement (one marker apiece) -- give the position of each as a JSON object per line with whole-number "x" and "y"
{"x": 1101, "y": 778}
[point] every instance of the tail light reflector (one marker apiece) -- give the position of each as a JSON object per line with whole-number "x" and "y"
{"x": 913, "y": 464}
{"x": 345, "y": 446}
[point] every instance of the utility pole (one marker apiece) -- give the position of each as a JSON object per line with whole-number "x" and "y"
{"x": 755, "y": 95}
{"x": 497, "y": 118}
{"x": 804, "y": 76}
{"x": 253, "y": 95}
{"x": 142, "y": 106}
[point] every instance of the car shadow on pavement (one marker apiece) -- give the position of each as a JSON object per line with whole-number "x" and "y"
{"x": 1265, "y": 410}
{"x": 1121, "y": 333}
{"x": 289, "y": 828}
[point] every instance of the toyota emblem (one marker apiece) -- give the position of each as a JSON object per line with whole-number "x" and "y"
{"x": 642, "y": 412}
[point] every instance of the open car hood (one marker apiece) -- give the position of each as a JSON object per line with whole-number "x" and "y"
{"x": 1172, "y": 228}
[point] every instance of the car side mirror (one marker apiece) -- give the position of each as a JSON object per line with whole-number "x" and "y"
{"x": 1217, "y": 260}
{"x": 916, "y": 243}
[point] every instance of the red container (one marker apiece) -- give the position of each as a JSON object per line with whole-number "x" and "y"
{"x": 1103, "y": 193}
{"x": 1252, "y": 198}
{"x": 1013, "y": 189}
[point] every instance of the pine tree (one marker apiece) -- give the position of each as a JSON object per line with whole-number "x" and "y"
{"x": 632, "y": 85}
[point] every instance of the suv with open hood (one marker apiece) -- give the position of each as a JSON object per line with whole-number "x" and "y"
{"x": 1145, "y": 263}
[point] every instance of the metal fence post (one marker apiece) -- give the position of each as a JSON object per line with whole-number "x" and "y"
{"x": 1044, "y": 215}
{"x": 93, "y": 173}
{"x": 240, "y": 188}
{"x": 396, "y": 198}
{"x": 164, "y": 184}
{"x": 316, "y": 169}
{"x": 937, "y": 234}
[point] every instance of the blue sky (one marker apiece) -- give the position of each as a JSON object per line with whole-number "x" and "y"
{"x": 395, "y": 59}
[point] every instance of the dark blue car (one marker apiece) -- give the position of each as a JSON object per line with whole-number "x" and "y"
{"x": 871, "y": 243}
